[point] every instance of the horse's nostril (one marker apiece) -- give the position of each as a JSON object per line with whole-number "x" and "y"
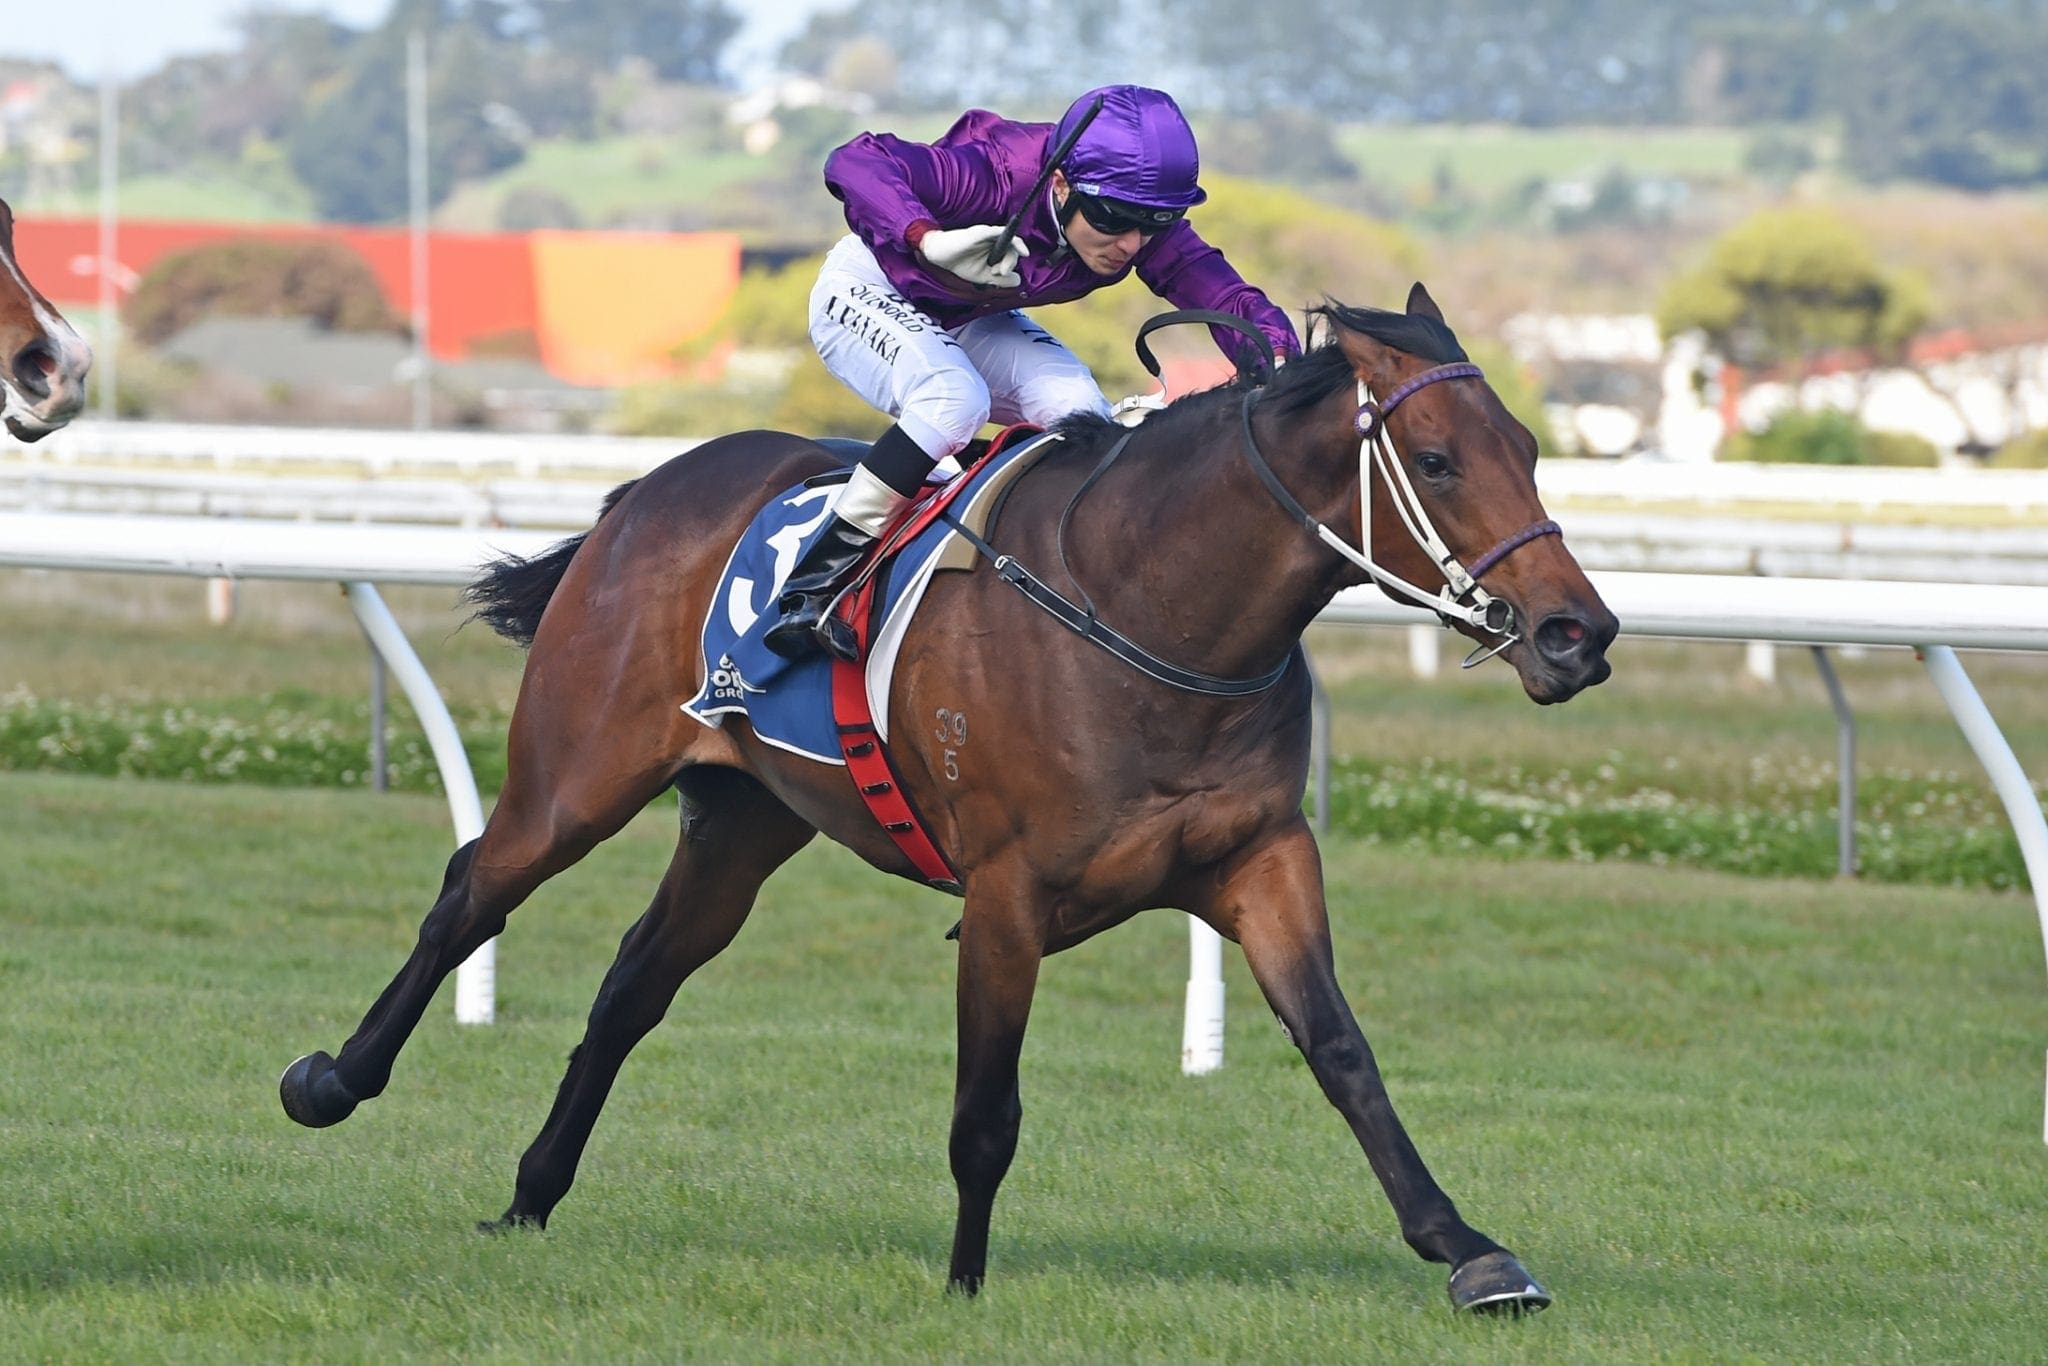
{"x": 34, "y": 366}
{"x": 1562, "y": 638}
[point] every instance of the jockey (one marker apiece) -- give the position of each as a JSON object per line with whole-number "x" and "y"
{"x": 910, "y": 313}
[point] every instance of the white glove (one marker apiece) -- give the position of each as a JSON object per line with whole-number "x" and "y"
{"x": 964, "y": 252}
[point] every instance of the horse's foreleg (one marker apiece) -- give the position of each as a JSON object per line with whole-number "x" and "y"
{"x": 734, "y": 835}
{"x": 1271, "y": 899}
{"x": 529, "y": 838}
{"x": 1000, "y": 949}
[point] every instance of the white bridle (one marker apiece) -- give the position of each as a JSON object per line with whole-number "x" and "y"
{"x": 1483, "y": 611}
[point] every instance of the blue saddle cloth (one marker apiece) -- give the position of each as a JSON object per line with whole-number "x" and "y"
{"x": 789, "y": 701}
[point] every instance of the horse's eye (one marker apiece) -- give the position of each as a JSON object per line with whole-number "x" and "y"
{"x": 1433, "y": 464}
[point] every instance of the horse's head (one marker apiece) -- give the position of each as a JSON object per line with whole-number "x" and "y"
{"x": 1453, "y": 497}
{"x": 42, "y": 360}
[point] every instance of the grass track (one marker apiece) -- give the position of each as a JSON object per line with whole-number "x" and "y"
{"x": 1721, "y": 1117}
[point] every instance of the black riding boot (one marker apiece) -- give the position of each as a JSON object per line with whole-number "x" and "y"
{"x": 885, "y": 479}
{"x": 808, "y": 592}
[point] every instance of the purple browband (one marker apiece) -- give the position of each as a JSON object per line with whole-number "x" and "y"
{"x": 1373, "y": 414}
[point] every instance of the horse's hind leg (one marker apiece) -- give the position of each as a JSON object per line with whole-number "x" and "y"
{"x": 734, "y": 835}
{"x": 1271, "y": 899}
{"x": 531, "y": 836}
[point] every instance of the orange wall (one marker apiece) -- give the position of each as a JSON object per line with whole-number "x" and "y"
{"x": 606, "y": 307}
{"x": 613, "y": 305}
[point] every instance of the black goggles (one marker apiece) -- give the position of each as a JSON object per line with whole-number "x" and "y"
{"x": 1115, "y": 217}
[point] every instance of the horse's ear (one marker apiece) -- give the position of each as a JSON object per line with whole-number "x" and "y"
{"x": 1367, "y": 355}
{"x": 1422, "y": 306}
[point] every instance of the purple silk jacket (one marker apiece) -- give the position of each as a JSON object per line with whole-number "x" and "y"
{"x": 979, "y": 172}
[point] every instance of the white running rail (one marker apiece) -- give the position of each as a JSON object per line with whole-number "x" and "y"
{"x": 197, "y": 446}
{"x": 359, "y": 557}
{"x": 1717, "y": 486}
{"x": 1983, "y": 544}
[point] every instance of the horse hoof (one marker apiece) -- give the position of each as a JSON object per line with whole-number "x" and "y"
{"x": 509, "y": 1221}
{"x": 313, "y": 1094}
{"x": 1496, "y": 1284}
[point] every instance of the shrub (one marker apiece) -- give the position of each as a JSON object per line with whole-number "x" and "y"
{"x": 528, "y": 208}
{"x": 815, "y": 404}
{"x": 1900, "y": 448}
{"x": 150, "y": 383}
{"x": 256, "y": 277}
{"x": 674, "y": 408}
{"x": 2027, "y": 451}
{"x": 1910, "y": 827}
{"x": 1291, "y": 145}
{"x": 809, "y": 402}
{"x": 1828, "y": 437}
{"x": 770, "y": 310}
{"x": 1781, "y": 156}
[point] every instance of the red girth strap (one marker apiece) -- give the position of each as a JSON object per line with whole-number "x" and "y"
{"x": 867, "y": 762}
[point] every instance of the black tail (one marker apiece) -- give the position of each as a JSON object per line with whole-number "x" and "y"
{"x": 513, "y": 591}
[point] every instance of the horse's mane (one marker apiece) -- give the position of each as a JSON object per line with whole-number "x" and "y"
{"x": 1301, "y": 383}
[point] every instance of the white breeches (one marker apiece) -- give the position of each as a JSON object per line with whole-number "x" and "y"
{"x": 940, "y": 386}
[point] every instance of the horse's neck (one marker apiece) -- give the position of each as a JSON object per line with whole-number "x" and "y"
{"x": 1209, "y": 569}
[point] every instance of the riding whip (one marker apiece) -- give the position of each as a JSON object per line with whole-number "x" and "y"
{"x": 1059, "y": 154}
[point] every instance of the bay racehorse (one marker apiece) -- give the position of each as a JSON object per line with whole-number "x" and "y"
{"x": 1208, "y": 539}
{"x": 42, "y": 361}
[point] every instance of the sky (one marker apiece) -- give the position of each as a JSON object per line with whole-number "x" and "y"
{"x": 131, "y": 37}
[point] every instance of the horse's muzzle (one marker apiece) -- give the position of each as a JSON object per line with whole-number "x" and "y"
{"x": 45, "y": 383}
{"x": 1571, "y": 649}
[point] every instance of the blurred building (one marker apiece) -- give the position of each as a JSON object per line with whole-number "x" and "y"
{"x": 1613, "y": 387}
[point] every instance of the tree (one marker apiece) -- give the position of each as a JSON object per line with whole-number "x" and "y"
{"x": 350, "y": 149}
{"x": 865, "y": 67}
{"x": 815, "y": 47}
{"x": 528, "y": 208}
{"x": 1787, "y": 284}
{"x": 1753, "y": 71}
{"x": 217, "y": 105}
{"x": 1951, "y": 95}
{"x": 1525, "y": 61}
{"x": 1294, "y": 146}
{"x": 1024, "y": 57}
{"x": 684, "y": 40}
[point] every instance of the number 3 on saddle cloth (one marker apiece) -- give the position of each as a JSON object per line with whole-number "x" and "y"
{"x": 828, "y": 709}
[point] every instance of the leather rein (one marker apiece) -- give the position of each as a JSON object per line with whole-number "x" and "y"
{"x": 1484, "y": 611}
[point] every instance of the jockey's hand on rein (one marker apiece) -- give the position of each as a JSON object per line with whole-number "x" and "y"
{"x": 964, "y": 252}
